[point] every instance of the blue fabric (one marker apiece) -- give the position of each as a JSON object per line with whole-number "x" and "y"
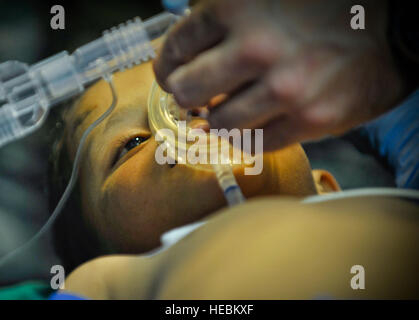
{"x": 395, "y": 136}
{"x": 175, "y": 6}
{"x": 65, "y": 296}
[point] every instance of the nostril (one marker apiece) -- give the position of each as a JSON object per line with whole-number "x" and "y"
{"x": 171, "y": 165}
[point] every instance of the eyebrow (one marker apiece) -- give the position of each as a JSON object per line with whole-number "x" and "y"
{"x": 114, "y": 118}
{"x": 119, "y": 115}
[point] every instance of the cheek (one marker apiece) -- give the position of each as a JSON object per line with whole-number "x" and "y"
{"x": 143, "y": 199}
{"x": 132, "y": 203}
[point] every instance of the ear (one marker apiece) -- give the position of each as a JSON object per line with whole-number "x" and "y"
{"x": 325, "y": 181}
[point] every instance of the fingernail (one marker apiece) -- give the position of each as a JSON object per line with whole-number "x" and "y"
{"x": 176, "y": 88}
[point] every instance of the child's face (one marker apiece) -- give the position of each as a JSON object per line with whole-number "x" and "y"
{"x": 127, "y": 196}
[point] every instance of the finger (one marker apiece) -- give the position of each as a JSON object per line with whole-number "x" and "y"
{"x": 224, "y": 68}
{"x": 277, "y": 93}
{"x": 281, "y": 132}
{"x": 202, "y": 29}
{"x": 251, "y": 108}
{"x": 298, "y": 126}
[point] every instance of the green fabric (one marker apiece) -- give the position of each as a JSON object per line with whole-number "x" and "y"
{"x": 30, "y": 290}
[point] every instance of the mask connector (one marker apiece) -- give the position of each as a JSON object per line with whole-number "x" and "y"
{"x": 27, "y": 92}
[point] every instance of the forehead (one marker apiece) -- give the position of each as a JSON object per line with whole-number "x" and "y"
{"x": 132, "y": 87}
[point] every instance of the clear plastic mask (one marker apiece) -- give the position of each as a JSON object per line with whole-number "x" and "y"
{"x": 164, "y": 113}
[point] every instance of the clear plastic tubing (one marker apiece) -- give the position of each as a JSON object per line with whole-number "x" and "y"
{"x": 27, "y": 92}
{"x": 228, "y": 184}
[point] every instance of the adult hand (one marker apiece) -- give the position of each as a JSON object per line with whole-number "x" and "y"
{"x": 294, "y": 68}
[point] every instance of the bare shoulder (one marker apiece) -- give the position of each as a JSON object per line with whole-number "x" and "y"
{"x": 251, "y": 251}
{"x": 278, "y": 211}
{"x": 272, "y": 248}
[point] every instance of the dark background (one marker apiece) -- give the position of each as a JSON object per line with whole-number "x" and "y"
{"x": 26, "y": 35}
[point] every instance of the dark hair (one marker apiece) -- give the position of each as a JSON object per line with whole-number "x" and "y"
{"x": 74, "y": 240}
